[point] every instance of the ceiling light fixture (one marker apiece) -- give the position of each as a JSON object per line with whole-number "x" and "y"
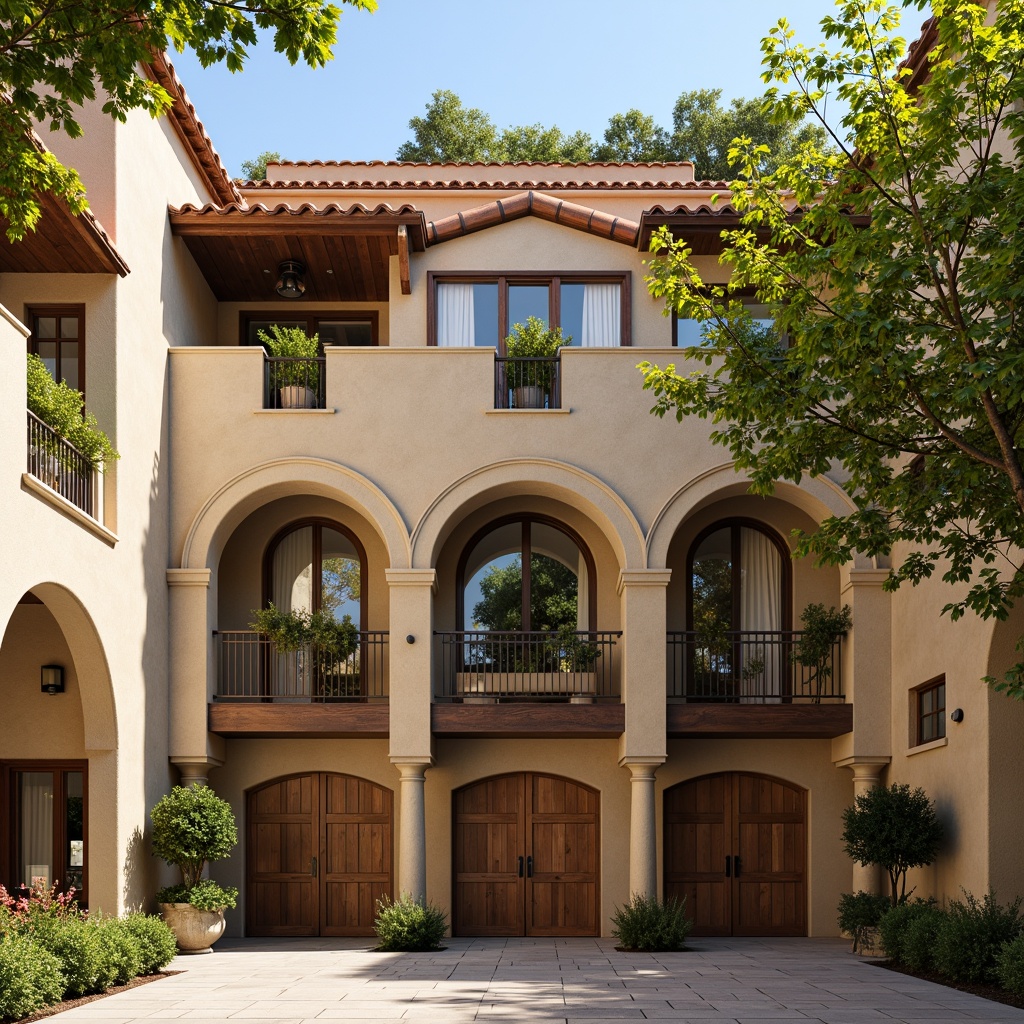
{"x": 290, "y": 284}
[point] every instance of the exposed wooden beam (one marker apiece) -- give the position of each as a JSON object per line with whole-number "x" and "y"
{"x": 280, "y": 721}
{"x": 403, "y": 259}
{"x": 764, "y": 721}
{"x": 553, "y": 721}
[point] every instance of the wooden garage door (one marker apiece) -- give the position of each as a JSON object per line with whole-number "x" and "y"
{"x": 736, "y": 848}
{"x": 526, "y": 857}
{"x": 319, "y": 855}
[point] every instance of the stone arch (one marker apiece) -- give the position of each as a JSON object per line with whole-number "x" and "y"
{"x": 818, "y": 497}
{"x": 254, "y": 487}
{"x": 541, "y": 477}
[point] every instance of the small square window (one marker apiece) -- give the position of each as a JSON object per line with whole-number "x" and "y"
{"x": 930, "y": 711}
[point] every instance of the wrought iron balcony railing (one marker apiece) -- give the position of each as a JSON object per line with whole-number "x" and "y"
{"x": 61, "y": 466}
{"x": 251, "y": 668}
{"x": 750, "y": 667}
{"x": 490, "y": 665}
{"x": 527, "y": 383}
{"x": 291, "y": 383}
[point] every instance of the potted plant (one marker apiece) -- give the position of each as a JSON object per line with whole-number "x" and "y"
{"x": 191, "y": 827}
{"x": 574, "y": 654}
{"x": 530, "y": 370}
{"x": 822, "y": 628}
{"x": 297, "y": 377}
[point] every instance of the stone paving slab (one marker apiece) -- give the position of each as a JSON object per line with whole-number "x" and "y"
{"x": 549, "y": 981}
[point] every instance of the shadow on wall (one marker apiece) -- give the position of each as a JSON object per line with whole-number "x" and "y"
{"x": 137, "y": 884}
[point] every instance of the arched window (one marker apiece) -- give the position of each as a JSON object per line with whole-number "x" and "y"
{"x": 316, "y": 564}
{"x": 526, "y": 573}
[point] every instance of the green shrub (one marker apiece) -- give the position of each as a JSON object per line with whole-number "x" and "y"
{"x": 293, "y": 343}
{"x": 408, "y": 926}
{"x": 971, "y": 936}
{"x": 30, "y": 977}
{"x": 76, "y": 945}
{"x": 532, "y": 340}
{"x": 205, "y": 895}
{"x": 919, "y": 938}
{"x": 120, "y": 957}
{"x": 1010, "y": 966}
{"x": 192, "y": 825}
{"x": 155, "y": 939}
{"x": 648, "y": 925}
{"x": 859, "y": 911}
{"x": 892, "y": 928}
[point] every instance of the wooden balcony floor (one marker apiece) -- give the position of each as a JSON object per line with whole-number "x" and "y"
{"x": 759, "y": 721}
{"x": 319, "y": 720}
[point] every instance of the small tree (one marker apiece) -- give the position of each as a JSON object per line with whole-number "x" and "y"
{"x": 895, "y": 827}
{"x": 192, "y": 826}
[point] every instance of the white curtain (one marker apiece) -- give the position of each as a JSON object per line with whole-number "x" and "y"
{"x": 582, "y": 595}
{"x": 292, "y": 591}
{"x": 455, "y": 322}
{"x": 36, "y": 828}
{"x": 602, "y": 319}
{"x": 760, "y": 611}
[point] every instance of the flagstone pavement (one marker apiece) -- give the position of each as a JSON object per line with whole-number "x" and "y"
{"x": 518, "y": 981}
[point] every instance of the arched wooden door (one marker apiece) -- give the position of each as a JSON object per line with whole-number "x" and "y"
{"x": 526, "y": 857}
{"x": 319, "y": 855}
{"x": 736, "y": 848}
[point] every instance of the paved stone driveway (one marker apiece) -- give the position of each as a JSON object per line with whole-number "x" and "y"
{"x": 725, "y": 981}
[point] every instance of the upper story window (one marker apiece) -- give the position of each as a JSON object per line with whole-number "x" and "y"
{"x": 690, "y": 333}
{"x": 350, "y": 329}
{"x": 479, "y": 309}
{"x": 58, "y": 338}
{"x": 930, "y": 711}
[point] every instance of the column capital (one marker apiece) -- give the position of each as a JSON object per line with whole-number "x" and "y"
{"x": 866, "y": 768}
{"x": 850, "y": 578}
{"x": 643, "y": 578}
{"x": 412, "y": 767}
{"x": 188, "y": 577}
{"x": 411, "y": 578}
{"x": 641, "y": 768}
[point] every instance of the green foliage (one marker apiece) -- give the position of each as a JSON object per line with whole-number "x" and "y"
{"x": 75, "y": 943}
{"x": 553, "y": 596}
{"x": 533, "y": 340}
{"x": 61, "y": 408}
{"x": 120, "y": 957}
{"x": 634, "y": 137}
{"x": 30, "y": 977}
{"x": 973, "y": 933}
{"x": 54, "y": 60}
{"x": 859, "y": 911}
{"x": 204, "y": 895}
{"x": 821, "y": 629}
{"x": 894, "y": 827}
{"x": 289, "y": 631}
{"x": 256, "y": 170}
{"x": 408, "y": 926}
{"x": 1009, "y": 968}
{"x": 920, "y": 937}
{"x": 648, "y": 925}
{"x": 895, "y": 362}
{"x": 895, "y": 925}
{"x": 293, "y": 343}
{"x": 572, "y": 651}
{"x": 155, "y": 940}
{"x": 191, "y": 826}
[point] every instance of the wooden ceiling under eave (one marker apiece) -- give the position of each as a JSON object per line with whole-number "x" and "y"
{"x": 346, "y": 252}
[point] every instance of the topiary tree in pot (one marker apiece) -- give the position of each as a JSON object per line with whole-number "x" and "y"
{"x": 296, "y": 378}
{"x": 530, "y": 371}
{"x": 191, "y": 827}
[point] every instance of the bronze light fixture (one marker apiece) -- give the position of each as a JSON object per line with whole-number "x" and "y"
{"x": 289, "y": 282}
{"x": 52, "y": 679}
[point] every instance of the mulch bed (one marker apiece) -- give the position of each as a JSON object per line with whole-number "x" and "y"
{"x": 996, "y": 994}
{"x": 70, "y": 1004}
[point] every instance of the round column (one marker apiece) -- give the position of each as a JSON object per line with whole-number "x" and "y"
{"x": 643, "y": 835}
{"x": 412, "y": 842}
{"x": 866, "y": 775}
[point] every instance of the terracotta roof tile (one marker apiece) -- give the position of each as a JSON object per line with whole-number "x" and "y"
{"x": 497, "y": 184}
{"x": 285, "y": 209}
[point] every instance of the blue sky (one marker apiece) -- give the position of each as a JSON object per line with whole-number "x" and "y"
{"x": 567, "y": 62}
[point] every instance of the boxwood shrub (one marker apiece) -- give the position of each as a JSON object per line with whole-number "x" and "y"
{"x": 647, "y": 924}
{"x": 971, "y": 936}
{"x": 30, "y": 977}
{"x": 408, "y": 926}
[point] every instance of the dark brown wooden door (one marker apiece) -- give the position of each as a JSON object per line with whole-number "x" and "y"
{"x": 526, "y": 857}
{"x": 319, "y": 855}
{"x": 735, "y": 847}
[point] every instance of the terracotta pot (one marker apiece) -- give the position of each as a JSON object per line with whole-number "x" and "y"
{"x": 195, "y": 930}
{"x": 295, "y": 396}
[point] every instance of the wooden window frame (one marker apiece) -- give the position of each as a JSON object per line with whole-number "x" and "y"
{"x": 553, "y": 279}
{"x": 525, "y": 518}
{"x": 735, "y": 524}
{"x": 312, "y": 318}
{"x": 59, "y": 310}
{"x": 317, "y": 552}
{"x": 918, "y": 716}
{"x": 9, "y": 769}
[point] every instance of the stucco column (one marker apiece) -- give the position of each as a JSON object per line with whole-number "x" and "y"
{"x": 643, "y": 829}
{"x": 412, "y": 836}
{"x": 411, "y": 653}
{"x": 643, "y": 661}
{"x": 866, "y": 775}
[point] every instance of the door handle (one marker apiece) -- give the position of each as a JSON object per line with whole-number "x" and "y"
{"x": 520, "y": 867}
{"x": 312, "y": 867}
{"x": 529, "y": 867}
{"x": 728, "y": 866}
{"x": 736, "y": 866}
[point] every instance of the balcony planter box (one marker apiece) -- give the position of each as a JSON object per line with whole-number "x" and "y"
{"x": 580, "y": 686}
{"x": 295, "y": 396}
{"x": 194, "y": 930}
{"x": 529, "y": 397}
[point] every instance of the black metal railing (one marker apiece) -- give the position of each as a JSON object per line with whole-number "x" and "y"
{"x": 60, "y": 465}
{"x": 291, "y": 383}
{"x": 527, "y": 383}
{"x": 250, "y": 667}
{"x": 750, "y": 667}
{"x": 490, "y": 665}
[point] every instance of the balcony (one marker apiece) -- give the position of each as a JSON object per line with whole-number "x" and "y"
{"x": 261, "y": 691}
{"x": 754, "y": 683}
{"x": 291, "y": 383}
{"x": 58, "y": 464}
{"x": 527, "y": 383}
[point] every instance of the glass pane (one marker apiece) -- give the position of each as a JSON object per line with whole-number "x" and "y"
{"x": 485, "y": 314}
{"x": 255, "y": 326}
{"x": 69, "y": 326}
{"x": 69, "y": 363}
{"x": 689, "y": 333}
{"x": 493, "y": 598}
{"x": 711, "y": 583}
{"x": 555, "y": 571}
{"x": 526, "y": 300}
{"x": 292, "y": 572}
{"x": 572, "y": 313}
{"x": 35, "y": 832}
{"x": 46, "y": 327}
{"x": 47, "y": 351}
{"x": 340, "y": 576}
{"x": 74, "y": 831}
{"x": 345, "y": 332}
